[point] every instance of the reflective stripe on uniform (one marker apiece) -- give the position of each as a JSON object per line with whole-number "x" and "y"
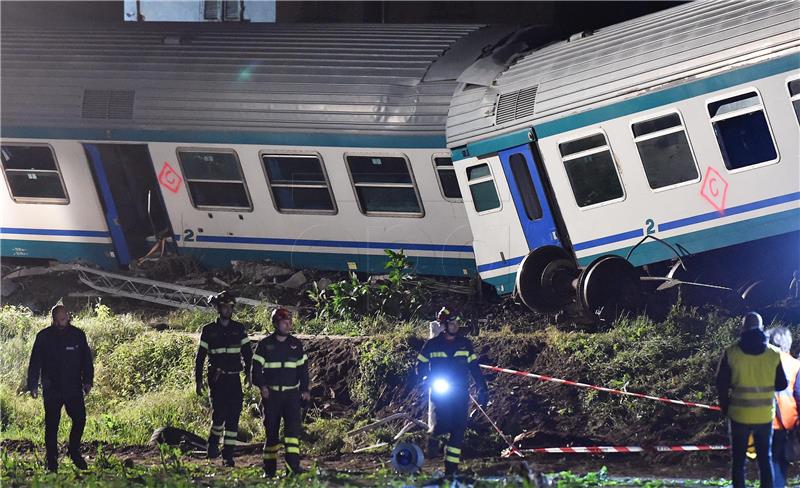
{"x": 461, "y": 353}
{"x": 751, "y": 402}
{"x": 217, "y": 430}
{"x": 204, "y": 344}
{"x": 273, "y": 365}
{"x": 452, "y": 459}
{"x": 230, "y": 438}
{"x": 472, "y": 357}
{"x": 258, "y": 359}
{"x": 422, "y": 358}
{"x": 755, "y": 389}
{"x": 292, "y": 450}
{"x": 302, "y": 360}
{"x": 283, "y": 388}
{"x": 226, "y": 350}
{"x": 271, "y": 452}
{"x": 244, "y": 341}
{"x": 438, "y": 354}
{"x": 230, "y": 433}
{"x": 453, "y": 450}
{"x": 292, "y": 440}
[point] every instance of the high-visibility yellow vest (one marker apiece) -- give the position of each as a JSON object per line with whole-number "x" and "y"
{"x": 753, "y": 385}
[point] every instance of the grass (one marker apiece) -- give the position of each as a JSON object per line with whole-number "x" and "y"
{"x": 144, "y": 381}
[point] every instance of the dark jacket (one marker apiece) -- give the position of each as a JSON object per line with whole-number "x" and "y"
{"x": 753, "y": 342}
{"x": 62, "y": 359}
{"x": 455, "y": 359}
{"x": 280, "y": 363}
{"x": 226, "y": 346}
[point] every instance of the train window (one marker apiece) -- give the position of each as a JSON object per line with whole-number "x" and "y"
{"x": 481, "y": 186}
{"x": 298, "y": 183}
{"x": 522, "y": 175}
{"x": 215, "y": 179}
{"x": 32, "y": 174}
{"x": 742, "y": 131}
{"x": 384, "y": 185}
{"x": 591, "y": 170}
{"x": 794, "y": 94}
{"x": 446, "y": 174}
{"x": 664, "y": 150}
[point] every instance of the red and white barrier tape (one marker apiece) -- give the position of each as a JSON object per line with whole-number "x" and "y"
{"x": 619, "y": 449}
{"x": 599, "y": 388}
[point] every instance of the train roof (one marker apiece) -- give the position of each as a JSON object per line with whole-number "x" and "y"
{"x": 590, "y": 70}
{"x": 253, "y": 79}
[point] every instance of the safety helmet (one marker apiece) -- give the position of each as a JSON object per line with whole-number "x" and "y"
{"x": 279, "y": 314}
{"x": 446, "y": 313}
{"x": 223, "y": 298}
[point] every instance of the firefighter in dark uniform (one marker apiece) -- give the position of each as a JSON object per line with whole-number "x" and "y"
{"x": 280, "y": 371}
{"x": 227, "y": 346}
{"x": 445, "y": 364}
{"x": 61, "y": 356}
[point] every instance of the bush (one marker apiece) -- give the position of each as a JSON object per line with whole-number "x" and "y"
{"x": 383, "y": 363}
{"x": 150, "y": 362}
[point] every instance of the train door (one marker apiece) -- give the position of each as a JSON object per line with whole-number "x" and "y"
{"x": 126, "y": 183}
{"x": 530, "y": 198}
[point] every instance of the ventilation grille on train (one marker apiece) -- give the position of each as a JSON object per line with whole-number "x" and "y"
{"x": 108, "y": 104}
{"x": 515, "y": 105}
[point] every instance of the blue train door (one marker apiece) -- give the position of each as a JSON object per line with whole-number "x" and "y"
{"x": 126, "y": 183}
{"x": 529, "y": 196}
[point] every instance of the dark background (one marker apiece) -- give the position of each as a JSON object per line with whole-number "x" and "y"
{"x": 561, "y": 18}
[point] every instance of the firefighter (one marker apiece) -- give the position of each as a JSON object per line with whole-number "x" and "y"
{"x": 62, "y": 358}
{"x": 280, "y": 371}
{"x": 227, "y": 346}
{"x": 445, "y": 364}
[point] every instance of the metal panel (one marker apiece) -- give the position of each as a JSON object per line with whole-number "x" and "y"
{"x": 619, "y": 62}
{"x": 349, "y": 79}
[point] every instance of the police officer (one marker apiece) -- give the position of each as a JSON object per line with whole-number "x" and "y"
{"x": 61, "y": 356}
{"x": 280, "y": 370}
{"x": 445, "y": 364}
{"x": 226, "y": 345}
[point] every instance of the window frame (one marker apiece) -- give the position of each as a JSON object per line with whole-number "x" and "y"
{"x": 583, "y": 135}
{"x": 37, "y": 200}
{"x": 218, "y": 150}
{"x": 792, "y": 98}
{"x": 664, "y": 132}
{"x": 298, "y": 154}
{"x": 414, "y": 186}
{"x": 483, "y": 179}
{"x": 736, "y": 113}
{"x": 439, "y": 180}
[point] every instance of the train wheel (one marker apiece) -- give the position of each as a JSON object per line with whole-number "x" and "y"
{"x": 545, "y": 277}
{"x": 609, "y": 284}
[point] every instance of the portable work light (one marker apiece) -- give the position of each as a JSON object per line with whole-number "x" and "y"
{"x": 440, "y": 386}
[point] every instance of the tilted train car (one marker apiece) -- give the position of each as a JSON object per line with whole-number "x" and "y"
{"x": 665, "y": 137}
{"x": 313, "y": 145}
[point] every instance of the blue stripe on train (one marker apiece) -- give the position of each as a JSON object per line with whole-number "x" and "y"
{"x": 223, "y": 137}
{"x": 53, "y": 232}
{"x": 692, "y": 242}
{"x": 324, "y": 243}
{"x": 439, "y": 266}
{"x": 100, "y": 254}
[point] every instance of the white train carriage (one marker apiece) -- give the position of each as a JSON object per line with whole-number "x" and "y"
{"x": 316, "y": 146}
{"x": 663, "y": 137}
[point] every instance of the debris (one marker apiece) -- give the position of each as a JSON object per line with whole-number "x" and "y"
{"x": 255, "y": 272}
{"x": 220, "y": 282}
{"x": 323, "y": 283}
{"x": 7, "y": 287}
{"x": 191, "y": 281}
{"x": 165, "y": 267}
{"x": 178, "y": 437}
{"x": 295, "y": 281}
{"x": 37, "y": 271}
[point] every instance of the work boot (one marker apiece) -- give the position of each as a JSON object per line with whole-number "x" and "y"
{"x": 270, "y": 468}
{"x": 52, "y": 464}
{"x": 294, "y": 470}
{"x": 450, "y": 470}
{"x": 228, "y": 462}
{"x": 77, "y": 459}
{"x": 213, "y": 451}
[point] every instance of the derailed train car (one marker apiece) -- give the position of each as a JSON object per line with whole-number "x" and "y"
{"x": 588, "y": 166}
{"x": 314, "y": 145}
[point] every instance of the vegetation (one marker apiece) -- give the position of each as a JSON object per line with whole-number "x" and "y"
{"x": 144, "y": 381}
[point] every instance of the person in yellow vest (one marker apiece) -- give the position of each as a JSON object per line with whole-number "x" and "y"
{"x": 748, "y": 376}
{"x": 788, "y": 399}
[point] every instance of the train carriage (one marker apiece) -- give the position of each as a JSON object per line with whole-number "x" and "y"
{"x": 664, "y": 137}
{"x": 312, "y": 145}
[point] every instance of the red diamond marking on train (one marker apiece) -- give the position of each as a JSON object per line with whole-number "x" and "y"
{"x": 715, "y": 189}
{"x": 169, "y": 179}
